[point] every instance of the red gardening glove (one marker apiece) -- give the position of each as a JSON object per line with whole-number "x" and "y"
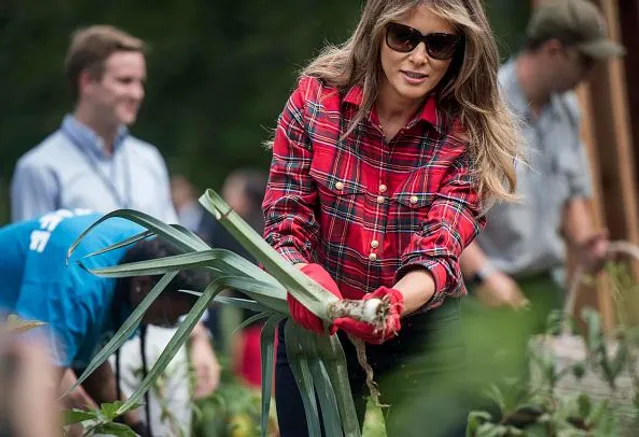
{"x": 303, "y": 316}
{"x": 366, "y": 331}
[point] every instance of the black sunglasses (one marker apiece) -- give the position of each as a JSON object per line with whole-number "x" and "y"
{"x": 404, "y": 39}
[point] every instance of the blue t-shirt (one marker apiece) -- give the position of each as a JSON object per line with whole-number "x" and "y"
{"x": 37, "y": 284}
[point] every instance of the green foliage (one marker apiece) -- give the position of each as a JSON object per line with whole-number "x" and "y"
{"x": 233, "y": 410}
{"x": 101, "y": 421}
{"x": 543, "y": 411}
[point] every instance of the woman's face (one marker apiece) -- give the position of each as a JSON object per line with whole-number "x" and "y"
{"x": 411, "y": 75}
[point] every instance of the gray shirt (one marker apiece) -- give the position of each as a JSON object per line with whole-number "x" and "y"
{"x": 524, "y": 238}
{"x": 70, "y": 169}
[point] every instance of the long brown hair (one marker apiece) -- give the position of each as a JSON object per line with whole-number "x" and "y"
{"x": 469, "y": 92}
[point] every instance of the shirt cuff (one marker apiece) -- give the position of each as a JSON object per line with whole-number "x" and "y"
{"x": 292, "y": 255}
{"x": 290, "y": 248}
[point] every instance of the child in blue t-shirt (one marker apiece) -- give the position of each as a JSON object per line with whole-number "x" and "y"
{"x": 81, "y": 310}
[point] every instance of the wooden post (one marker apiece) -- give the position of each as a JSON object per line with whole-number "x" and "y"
{"x": 596, "y": 295}
{"x": 614, "y": 142}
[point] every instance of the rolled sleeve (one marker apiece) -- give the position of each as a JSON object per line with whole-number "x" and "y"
{"x": 452, "y": 223}
{"x": 579, "y": 178}
{"x": 576, "y": 159}
{"x": 291, "y": 195}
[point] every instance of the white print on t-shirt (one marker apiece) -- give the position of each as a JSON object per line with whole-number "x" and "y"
{"x": 48, "y": 222}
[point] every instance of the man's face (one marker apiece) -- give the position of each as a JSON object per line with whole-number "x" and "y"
{"x": 567, "y": 68}
{"x": 118, "y": 94}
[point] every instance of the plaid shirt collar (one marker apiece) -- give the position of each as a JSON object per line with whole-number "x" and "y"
{"x": 429, "y": 113}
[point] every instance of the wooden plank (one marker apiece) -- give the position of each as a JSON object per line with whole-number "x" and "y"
{"x": 629, "y": 20}
{"x": 596, "y": 295}
{"x": 613, "y": 131}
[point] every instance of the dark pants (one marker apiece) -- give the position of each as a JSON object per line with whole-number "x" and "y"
{"x": 498, "y": 338}
{"x": 418, "y": 373}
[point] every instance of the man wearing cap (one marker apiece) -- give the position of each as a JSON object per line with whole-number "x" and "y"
{"x": 515, "y": 260}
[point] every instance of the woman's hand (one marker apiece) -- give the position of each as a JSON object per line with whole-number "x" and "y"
{"x": 300, "y": 314}
{"x": 376, "y": 334}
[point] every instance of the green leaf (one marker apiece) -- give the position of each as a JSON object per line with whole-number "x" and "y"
{"x": 124, "y": 243}
{"x": 146, "y": 234}
{"x": 554, "y": 322}
{"x": 269, "y": 294}
{"x": 326, "y": 396}
{"x": 332, "y": 355}
{"x": 584, "y": 405}
{"x": 190, "y": 292}
{"x": 265, "y": 295}
{"x": 247, "y": 304}
{"x": 598, "y": 412}
{"x": 125, "y": 330}
{"x": 475, "y": 419}
{"x": 537, "y": 430}
{"x": 496, "y": 395}
{"x": 308, "y": 292}
{"x": 595, "y": 338}
{"x": 267, "y": 346}
{"x": 178, "y": 339}
{"x": 254, "y": 318}
{"x": 110, "y": 410}
{"x": 194, "y": 237}
{"x": 297, "y": 350}
{"x": 177, "y": 238}
{"x": 487, "y": 430}
{"x": 221, "y": 260}
{"x": 619, "y": 361}
{"x": 115, "y": 429}
{"x": 77, "y": 416}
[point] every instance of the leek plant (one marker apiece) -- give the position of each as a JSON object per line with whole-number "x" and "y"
{"x": 317, "y": 361}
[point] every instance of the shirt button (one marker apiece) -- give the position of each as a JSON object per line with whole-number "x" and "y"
{"x": 372, "y": 257}
{"x": 380, "y": 199}
{"x": 413, "y": 199}
{"x": 374, "y": 244}
{"x": 339, "y": 185}
{"x": 383, "y": 188}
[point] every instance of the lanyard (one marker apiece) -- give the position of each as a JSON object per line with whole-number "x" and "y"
{"x": 122, "y": 201}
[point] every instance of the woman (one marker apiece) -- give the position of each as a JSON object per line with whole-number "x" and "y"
{"x": 384, "y": 158}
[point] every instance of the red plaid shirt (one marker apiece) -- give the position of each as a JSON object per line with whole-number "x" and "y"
{"x": 366, "y": 209}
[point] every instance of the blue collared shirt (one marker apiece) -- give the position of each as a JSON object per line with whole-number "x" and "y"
{"x": 70, "y": 169}
{"x": 524, "y": 238}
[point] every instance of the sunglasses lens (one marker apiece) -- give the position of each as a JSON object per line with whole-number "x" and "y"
{"x": 441, "y": 45}
{"x": 401, "y": 38}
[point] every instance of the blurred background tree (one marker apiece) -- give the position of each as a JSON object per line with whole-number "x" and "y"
{"x": 219, "y": 72}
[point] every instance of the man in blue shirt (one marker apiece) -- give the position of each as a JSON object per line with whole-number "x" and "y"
{"x": 81, "y": 310}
